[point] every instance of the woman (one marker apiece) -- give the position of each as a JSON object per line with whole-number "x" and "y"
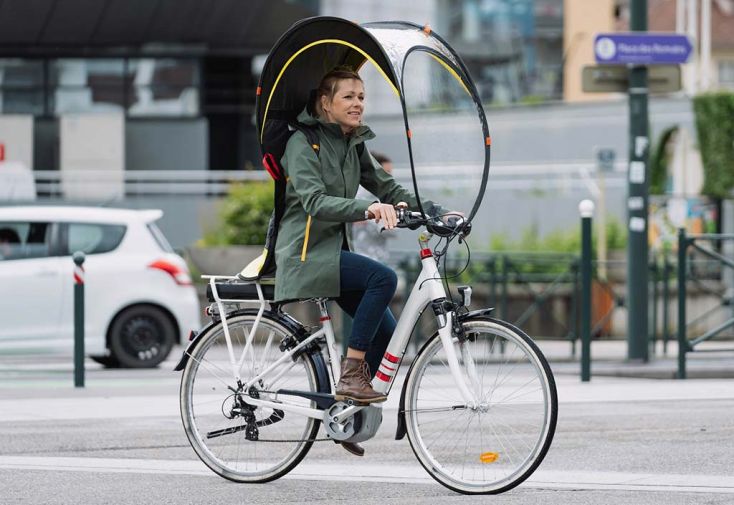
{"x": 313, "y": 251}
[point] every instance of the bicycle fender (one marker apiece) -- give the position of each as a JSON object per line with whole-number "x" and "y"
{"x": 475, "y": 313}
{"x": 401, "y": 430}
{"x": 192, "y": 343}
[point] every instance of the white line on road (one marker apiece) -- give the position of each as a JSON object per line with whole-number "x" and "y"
{"x": 391, "y": 473}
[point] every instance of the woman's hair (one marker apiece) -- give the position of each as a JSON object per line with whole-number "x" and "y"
{"x": 328, "y": 85}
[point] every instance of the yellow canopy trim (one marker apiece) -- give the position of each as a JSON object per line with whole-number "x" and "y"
{"x": 452, "y": 72}
{"x": 305, "y": 48}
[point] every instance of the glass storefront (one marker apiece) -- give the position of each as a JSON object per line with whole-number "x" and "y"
{"x": 513, "y": 48}
{"x": 139, "y": 87}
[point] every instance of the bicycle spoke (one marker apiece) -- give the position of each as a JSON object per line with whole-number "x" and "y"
{"x": 496, "y": 444}
{"x": 227, "y": 432}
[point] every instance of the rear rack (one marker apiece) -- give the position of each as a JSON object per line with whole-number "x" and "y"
{"x": 219, "y": 301}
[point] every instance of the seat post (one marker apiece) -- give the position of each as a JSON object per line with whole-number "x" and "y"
{"x": 321, "y": 302}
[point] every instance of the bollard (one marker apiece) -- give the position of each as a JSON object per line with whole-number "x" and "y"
{"x": 78, "y": 319}
{"x": 586, "y": 209}
{"x": 667, "y": 272}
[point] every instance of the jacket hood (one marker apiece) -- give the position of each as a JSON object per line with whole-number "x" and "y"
{"x": 362, "y": 132}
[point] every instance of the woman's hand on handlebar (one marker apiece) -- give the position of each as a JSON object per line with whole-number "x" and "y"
{"x": 384, "y": 212}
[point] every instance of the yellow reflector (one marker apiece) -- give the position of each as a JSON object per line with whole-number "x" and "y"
{"x": 489, "y": 457}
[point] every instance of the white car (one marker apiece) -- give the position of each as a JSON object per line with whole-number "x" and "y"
{"x": 139, "y": 300}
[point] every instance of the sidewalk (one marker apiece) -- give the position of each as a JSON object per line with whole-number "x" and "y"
{"x": 154, "y": 393}
{"x": 609, "y": 358}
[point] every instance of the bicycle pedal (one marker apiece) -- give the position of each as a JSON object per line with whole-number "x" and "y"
{"x": 353, "y": 403}
{"x": 350, "y": 402}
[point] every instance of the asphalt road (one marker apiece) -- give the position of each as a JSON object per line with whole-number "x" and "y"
{"x": 120, "y": 440}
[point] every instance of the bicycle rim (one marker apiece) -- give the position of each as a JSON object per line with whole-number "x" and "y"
{"x": 492, "y": 448}
{"x": 209, "y": 397}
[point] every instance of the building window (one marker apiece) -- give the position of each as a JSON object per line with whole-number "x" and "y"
{"x": 513, "y": 48}
{"x": 163, "y": 87}
{"x": 87, "y": 85}
{"x": 138, "y": 87}
{"x": 21, "y": 86}
{"x": 726, "y": 74}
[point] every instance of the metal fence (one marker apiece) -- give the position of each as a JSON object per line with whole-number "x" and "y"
{"x": 704, "y": 275}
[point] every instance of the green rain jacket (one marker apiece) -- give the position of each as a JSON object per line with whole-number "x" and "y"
{"x": 320, "y": 204}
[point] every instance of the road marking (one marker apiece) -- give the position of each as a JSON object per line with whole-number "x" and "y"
{"x": 414, "y": 474}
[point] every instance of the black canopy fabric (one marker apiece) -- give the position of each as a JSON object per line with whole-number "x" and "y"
{"x": 313, "y": 46}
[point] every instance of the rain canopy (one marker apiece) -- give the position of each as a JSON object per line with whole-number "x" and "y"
{"x": 445, "y": 129}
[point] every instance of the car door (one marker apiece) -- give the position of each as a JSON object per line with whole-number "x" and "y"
{"x": 97, "y": 241}
{"x": 30, "y": 285}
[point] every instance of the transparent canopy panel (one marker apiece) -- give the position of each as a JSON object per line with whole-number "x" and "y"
{"x": 447, "y": 140}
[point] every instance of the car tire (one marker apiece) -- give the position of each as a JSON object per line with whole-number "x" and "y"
{"x": 106, "y": 361}
{"x": 141, "y": 337}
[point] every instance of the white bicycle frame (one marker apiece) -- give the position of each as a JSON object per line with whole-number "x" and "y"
{"x": 427, "y": 289}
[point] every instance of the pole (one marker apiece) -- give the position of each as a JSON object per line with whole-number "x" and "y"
{"x": 653, "y": 332}
{"x": 601, "y": 236}
{"x": 667, "y": 271}
{"x": 692, "y": 32}
{"x": 682, "y": 340}
{"x": 637, "y": 183}
{"x": 705, "y": 44}
{"x": 78, "y": 319}
{"x": 586, "y": 209}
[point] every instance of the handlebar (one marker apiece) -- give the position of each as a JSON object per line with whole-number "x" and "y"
{"x": 454, "y": 223}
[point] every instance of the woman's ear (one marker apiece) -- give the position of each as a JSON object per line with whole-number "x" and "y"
{"x": 324, "y": 102}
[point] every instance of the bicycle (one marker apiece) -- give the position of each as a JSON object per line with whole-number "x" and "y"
{"x": 479, "y": 403}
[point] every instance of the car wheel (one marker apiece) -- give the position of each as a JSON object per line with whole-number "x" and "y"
{"x": 106, "y": 361}
{"x": 141, "y": 337}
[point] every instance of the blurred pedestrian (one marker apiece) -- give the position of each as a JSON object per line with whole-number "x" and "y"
{"x": 368, "y": 237}
{"x": 9, "y": 241}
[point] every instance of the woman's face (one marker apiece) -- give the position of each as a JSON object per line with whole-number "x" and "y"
{"x": 347, "y": 105}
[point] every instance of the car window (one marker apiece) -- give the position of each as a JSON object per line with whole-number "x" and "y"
{"x": 160, "y": 238}
{"x": 24, "y": 240}
{"x": 94, "y": 238}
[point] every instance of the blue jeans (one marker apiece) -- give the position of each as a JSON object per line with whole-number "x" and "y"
{"x": 365, "y": 292}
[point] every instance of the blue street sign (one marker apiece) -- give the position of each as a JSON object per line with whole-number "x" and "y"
{"x": 641, "y": 47}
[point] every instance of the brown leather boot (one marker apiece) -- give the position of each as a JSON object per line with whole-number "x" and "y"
{"x": 352, "y": 448}
{"x": 354, "y": 383}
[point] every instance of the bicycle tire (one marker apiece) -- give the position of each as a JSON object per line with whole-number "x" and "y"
{"x": 519, "y": 405}
{"x": 206, "y": 400}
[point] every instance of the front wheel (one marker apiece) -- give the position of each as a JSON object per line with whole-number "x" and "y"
{"x": 495, "y": 445}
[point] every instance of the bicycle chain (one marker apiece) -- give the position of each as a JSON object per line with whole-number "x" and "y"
{"x": 327, "y": 439}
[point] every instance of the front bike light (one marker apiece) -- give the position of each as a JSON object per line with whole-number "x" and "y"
{"x": 465, "y": 292}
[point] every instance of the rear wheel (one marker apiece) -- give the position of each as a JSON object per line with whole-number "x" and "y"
{"x": 141, "y": 337}
{"x": 494, "y": 446}
{"x": 235, "y": 438}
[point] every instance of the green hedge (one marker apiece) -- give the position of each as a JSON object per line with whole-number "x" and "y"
{"x": 659, "y": 162}
{"x": 559, "y": 241}
{"x": 243, "y": 216}
{"x": 715, "y": 124}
